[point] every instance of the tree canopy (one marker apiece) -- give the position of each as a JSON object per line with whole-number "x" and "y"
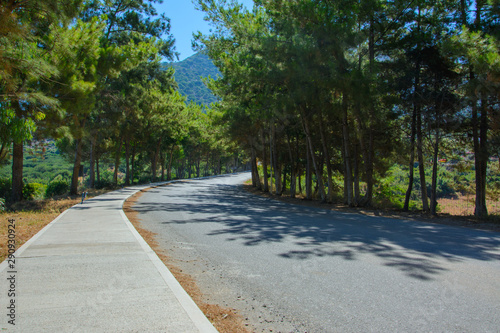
{"x": 321, "y": 88}
{"x": 88, "y": 74}
{"x": 325, "y": 98}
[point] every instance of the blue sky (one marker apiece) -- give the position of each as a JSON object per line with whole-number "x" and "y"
{"x": 185, "y": 20}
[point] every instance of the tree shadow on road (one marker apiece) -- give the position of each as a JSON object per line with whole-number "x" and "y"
{"x": 415, "y": 248}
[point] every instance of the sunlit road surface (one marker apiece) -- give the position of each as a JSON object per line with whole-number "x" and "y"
{"x": 291, "y": 268}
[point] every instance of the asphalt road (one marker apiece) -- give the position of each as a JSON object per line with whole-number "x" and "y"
{"x": 291, "y": 268}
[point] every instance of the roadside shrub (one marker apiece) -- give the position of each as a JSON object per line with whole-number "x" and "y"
{"x": 58, "y": 187}
{"x": 144, "y": 179}
{"x": 3, "y": 208}
{"x": 390, "y": 191}
{"x": 5, "y": 188}
{"x": 445, "y": 190}
{"x": 106, "y": 180}
{"x": 104, "y": 184}
{"x": 33, "y": 190}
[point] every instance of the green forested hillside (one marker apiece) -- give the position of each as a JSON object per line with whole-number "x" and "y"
{"x": 189, "y": 74}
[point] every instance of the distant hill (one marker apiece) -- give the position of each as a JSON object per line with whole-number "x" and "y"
{"x": 188, "y": 74}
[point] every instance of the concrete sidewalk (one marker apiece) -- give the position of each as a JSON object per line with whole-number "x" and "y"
{"x": 90, "y": 271}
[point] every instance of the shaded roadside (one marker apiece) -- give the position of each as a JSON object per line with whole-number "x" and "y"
{"x": 457, "y": 221}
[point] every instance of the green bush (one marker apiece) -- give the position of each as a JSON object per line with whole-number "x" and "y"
{"x": 2, "y": 205}
{"x": 33, "y": 190}
{"x": 106, "y": 180}
{"x": 58, "y": 187}
{"x": 5, "y": 188}
{"x": 104, "y": 184}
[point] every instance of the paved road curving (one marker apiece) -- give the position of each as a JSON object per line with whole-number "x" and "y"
{"x": 297, "y": 269}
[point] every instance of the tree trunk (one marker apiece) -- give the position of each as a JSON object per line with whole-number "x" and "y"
{"x": 421, "y": 162}
{"x": 17, "y": 162}
{"x": 484, "y": 151}
{"x": 271, "y": 161}
{"x": 198, "y": 165}
{"x": 435, "y": 165}
{"x": 293, "y": 178}
{"x": 92, "y": 162}
{"x": 76, "y": 168}
{"x": 127, "y": 162}
{"x": 264, "y": 163}
{"x": 328, "y": 162}
{"x": 170, "y": 159}
{"x": 420, "y": 156}
{"x": 357, "y": 195}
{"x": 412, "y": 159}
{"x": 180, "y": 170}
{"x": 434, "y": 176}
{"x": 154, "y": 161}
{"x": 17, "y": 172}
{"x": 308, "y": 173}
{"x": 299, "y": 169}
{"x": 319, "y": 173}
{"x": 162, "y": 162}
{"x": 438, "y": 109}
{"x": 370, "y": 153}
{"x": 277, "y": 164}
{"x": 189, "y": 164}
{"x": 480, "y": 124}
{"x": 480, "y": 133}
{"x": 207, "y": 165}
{"x": 253, "y": 164}
{"x": 283, "y": 182}
{"x": 347, "y": 156}
{"x": 132, "y": 163}
{"x": 255, "y": 169}
{"x": 98, "y": 173}
{"x": 4, "y": 151}
{"x": 117, "y": 162}
{"x": 367, "y": 201}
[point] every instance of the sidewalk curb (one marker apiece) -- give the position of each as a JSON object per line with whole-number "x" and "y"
{"x": 197, "y": 317}
{"x": 187, "y": 303}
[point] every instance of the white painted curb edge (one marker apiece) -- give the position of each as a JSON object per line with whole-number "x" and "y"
{"x": 193, "y": 311}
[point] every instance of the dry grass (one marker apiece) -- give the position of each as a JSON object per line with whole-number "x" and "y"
{"x": 225, "y": 320}
{"x": 29, "y": 222}
{"x": 32, "y": 216}
{"x": 464, "y": 206}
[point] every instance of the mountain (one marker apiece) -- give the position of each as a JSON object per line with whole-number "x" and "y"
{"x": 189, "y": 74}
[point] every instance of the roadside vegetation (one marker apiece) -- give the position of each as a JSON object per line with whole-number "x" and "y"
{"x": 85, "y": 106}
{"x": 85, "y": 102}
{"x": 369, "y": 103}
